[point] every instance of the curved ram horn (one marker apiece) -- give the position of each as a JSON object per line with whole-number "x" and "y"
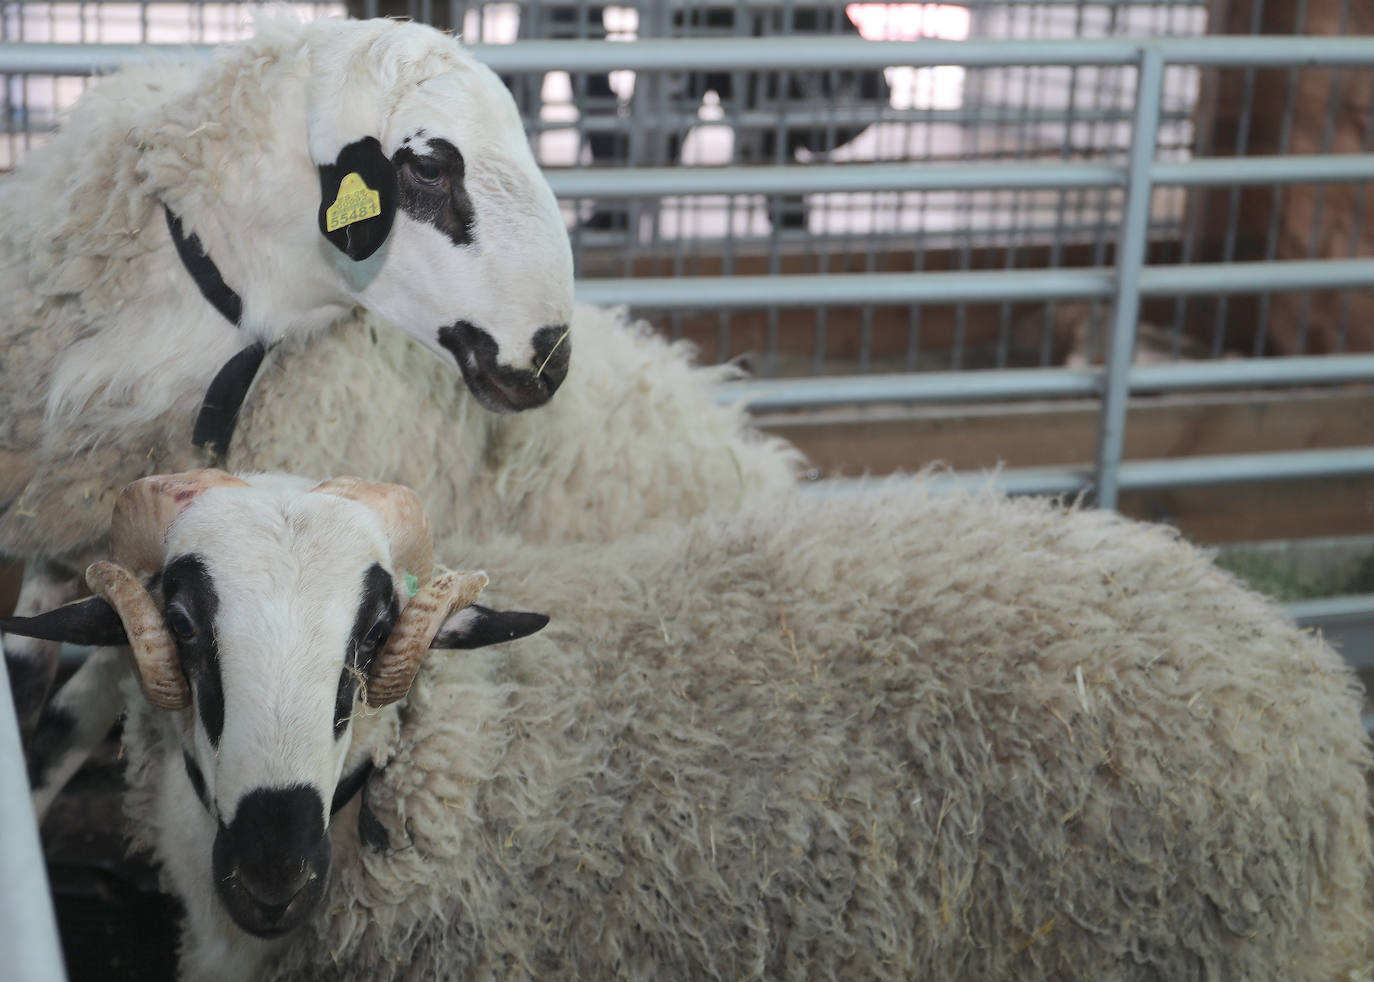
{"x": 395, "y": 667}
{"x": 154, "y": 652}
{"x": 145, "y": 510}
{"x": 402, "y": 515}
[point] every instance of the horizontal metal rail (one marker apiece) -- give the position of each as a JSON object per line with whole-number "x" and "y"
{"x": 607, "y": 182}
{"x": 1134, "y": 475}
{"x": 775, "y": 395}
{"x": 644, "y": 182}
{"x": 777, "y": 53}
{"x": 977, "y": 286}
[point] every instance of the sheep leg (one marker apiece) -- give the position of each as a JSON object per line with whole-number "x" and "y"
{"x": 32, "y": 663}
{"x": 74, "y": 722}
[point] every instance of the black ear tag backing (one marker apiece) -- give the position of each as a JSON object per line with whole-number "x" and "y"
{"x": 358, "y": 199}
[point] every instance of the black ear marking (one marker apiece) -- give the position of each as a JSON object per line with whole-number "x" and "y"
{"x": 478, "y": 626}
{"x": 91, "y": 622}
{"x": 358, "y": 239}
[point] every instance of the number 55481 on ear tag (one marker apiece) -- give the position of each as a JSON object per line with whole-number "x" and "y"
{"x": 356, "y": 201}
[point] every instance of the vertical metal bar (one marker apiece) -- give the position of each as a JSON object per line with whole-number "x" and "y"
{"x": 28, "y": 926}
{"x": 1130, "y": 256}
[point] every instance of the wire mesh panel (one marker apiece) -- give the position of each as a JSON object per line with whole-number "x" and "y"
{"x": 742, "y": 120}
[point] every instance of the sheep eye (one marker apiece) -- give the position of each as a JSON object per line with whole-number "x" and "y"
{"x": 379, "y": 633}
{"x": 425, "y": 175}
{"x": 180, "y": 624}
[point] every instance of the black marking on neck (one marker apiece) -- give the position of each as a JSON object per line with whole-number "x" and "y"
{"x": 377, "y": 614}
{"x": 371, "y": 832}
{"x": 350, "y": 785}
{"x": 197, "y": 780}
{"x": 219, "y": 411}
{"x": 204, "y": 271}
{"x": 449, "y": 210}
{"x": 187, "y": 583}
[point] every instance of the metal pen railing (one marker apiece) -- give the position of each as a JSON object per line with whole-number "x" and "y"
{"x": 1124, "y": 285}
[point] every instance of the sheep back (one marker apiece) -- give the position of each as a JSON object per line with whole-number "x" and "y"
{"x": 930, "y": 737}
{"x": 632, "y": 438}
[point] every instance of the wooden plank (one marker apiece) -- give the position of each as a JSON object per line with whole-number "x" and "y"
{"x": 884, "y": 440}
{"x": 1034, "y": 434}
{"x": 1255, "y": 512}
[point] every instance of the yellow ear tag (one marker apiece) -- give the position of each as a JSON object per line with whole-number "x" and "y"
{"x": 356, "y": 201}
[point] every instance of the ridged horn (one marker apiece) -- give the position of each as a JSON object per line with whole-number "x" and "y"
{"x": 145, "y": 510}
{"x": 154, "y": 652}
{"x": 395, "y": 668}
{"x": 403, "y": 518}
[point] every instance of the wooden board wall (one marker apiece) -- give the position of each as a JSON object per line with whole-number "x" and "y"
{"x": 888, "y": 439}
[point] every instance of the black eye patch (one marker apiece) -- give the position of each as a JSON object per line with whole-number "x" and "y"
{"x": 187, "y": 586}
{"x": 377, "y": 614}
{"x": 449, "y": 209}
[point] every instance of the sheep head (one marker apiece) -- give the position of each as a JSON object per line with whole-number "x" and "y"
{"x": 264, "y": 612}
{"x": 440, "y": 217}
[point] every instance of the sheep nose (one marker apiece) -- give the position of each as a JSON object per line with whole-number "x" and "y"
{"x": 270, "y": 862}
{"x": 274, "y": 888}
{"x": 552, "y": 351}
{"x": 506, "y": 388}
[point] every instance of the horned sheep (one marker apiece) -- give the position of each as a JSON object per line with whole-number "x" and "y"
{"x": 188, "y": 217}
{"x": 170, "y": 251}
{"x": 913, "y": 736}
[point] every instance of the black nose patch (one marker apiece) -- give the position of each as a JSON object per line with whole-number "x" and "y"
{"x": 499, "y": 388}
{"x": 271, "y": 862}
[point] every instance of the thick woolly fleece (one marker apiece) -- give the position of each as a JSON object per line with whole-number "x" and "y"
{"x": 108, "y": 345}
{"x": 633, "y": 437}
{"x": 920, "y": 737}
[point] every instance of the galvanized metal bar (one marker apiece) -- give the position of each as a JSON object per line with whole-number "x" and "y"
{"x": 1257, "y": 277}
{"x": 619, "y": 182}
{"x": 1191, "y": 376}
{"x": 826, "y": 52}
{"x": 837, "y": 289}
{"x": 1135, "y": 475}
{"x": 780, "y": 53}
{"x": 1276, "y": 169}
{"x": 1149, "y": 475}
{"x": 714, "y": 292}
{"x": 771, "y": 395}
{"x": 1130, "y": 259}
{"x": 1346, "y": 622}
{"x": 28, "y": 925}
{"x": 664, "y": 181}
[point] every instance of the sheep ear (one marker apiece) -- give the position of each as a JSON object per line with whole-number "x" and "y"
{"x": 358, "y": 199}
{"x": 478, "y": 626}
{"x": 93, "y": 622}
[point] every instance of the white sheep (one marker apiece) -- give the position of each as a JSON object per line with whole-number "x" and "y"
{"x": 186, "y": 218}
{"x": 907, "y": 736}
{"x": 633, "y": 440}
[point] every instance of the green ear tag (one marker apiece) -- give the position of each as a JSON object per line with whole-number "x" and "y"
{"x": 356, "y": 202}
{"x": 412, "y": 583}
